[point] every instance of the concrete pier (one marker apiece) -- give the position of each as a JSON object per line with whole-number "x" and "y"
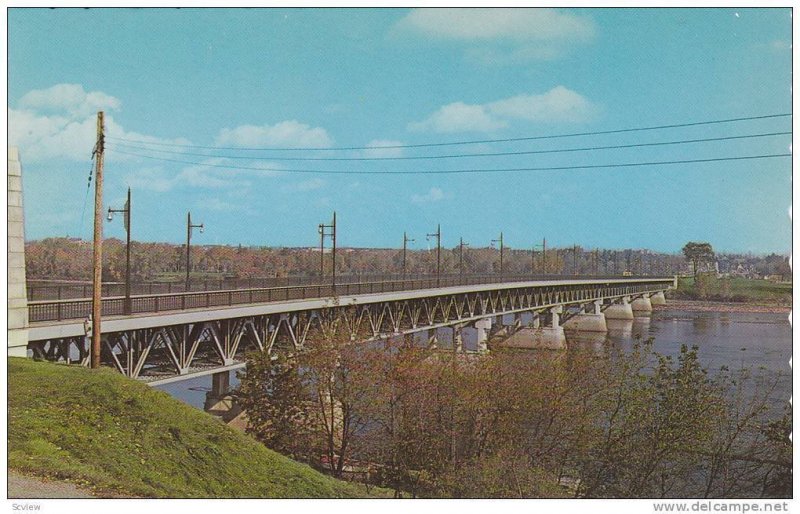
{"x": 593, "y": 321}
{"x": 550, "y": 337}
{"x": 658, "y": 299}
{"x": 621, "y": 310}
{"x": 17, "y": 297}
{"x": 642, "y": 305}
{"x": 482, "y": 329}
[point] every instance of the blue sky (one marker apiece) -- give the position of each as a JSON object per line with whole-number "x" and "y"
{"x": 333, "y": 78}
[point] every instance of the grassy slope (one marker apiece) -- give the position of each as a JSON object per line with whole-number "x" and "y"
{"x": 743, "y": 289}
{"x": 114, "y": 434}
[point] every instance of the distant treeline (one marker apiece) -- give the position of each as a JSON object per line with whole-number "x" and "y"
{"x": 71, "y": 259}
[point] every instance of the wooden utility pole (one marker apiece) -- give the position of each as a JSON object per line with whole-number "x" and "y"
{"x": 97, "y": 257}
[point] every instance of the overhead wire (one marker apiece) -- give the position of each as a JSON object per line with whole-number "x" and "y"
{"x": 459, "y": 171}
{"x": 455, "y": 156}
{"x": 469, "y": 142}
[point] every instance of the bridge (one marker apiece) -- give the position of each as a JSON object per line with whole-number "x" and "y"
{"x": 167, "y": 336}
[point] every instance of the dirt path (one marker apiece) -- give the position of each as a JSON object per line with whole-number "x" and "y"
{"x": 22, "y": 486}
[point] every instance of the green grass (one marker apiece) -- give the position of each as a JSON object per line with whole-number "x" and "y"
{"x": 112, "y": 434}
{"x": 740, "y": 290}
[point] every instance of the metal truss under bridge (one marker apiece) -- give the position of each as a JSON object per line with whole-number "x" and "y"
{"x": 177, "y": 336}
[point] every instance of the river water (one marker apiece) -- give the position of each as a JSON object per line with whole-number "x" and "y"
{"x": 759, "y": 341}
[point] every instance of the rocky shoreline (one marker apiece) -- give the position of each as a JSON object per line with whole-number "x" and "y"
{"x": 699, "y": 305}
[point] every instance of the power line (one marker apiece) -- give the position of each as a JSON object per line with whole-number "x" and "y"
{"x": 453, "y": 156}
{"x": 472, "y": 142}
{"x": 461, "y": 171}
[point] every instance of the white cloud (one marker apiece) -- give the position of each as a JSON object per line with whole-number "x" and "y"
{"x": 208, "y": 174}
{"x": 378, "y": 148}
{"x": 488, "y": 24}
{"x": 60, "y": 122}
{"x": 71, "y": 99}
{"x": 502, "y": 37}
{"x": 290, "y": 134}
{"x": 434, "y": 194}
{"x": 459, "y": 117}
{"x": 559, "y": 105}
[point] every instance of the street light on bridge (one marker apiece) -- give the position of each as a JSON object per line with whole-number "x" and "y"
{"x": 500, "y": 240}
{"x": 438, "y": 236}
{"x": 406, "y": 240}
{"x": 543, "y": 246}
{"x": 126, "y": 211}
{"x": 461, "y": 246}
{"x": 189, "y": 228}
{"x": 328, "y": 231}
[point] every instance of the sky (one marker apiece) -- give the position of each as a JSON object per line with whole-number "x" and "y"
{"x": 222, "y": 112}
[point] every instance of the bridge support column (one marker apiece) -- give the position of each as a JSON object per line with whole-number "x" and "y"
{"x": 458, "y": 339}
{"x": 620, "y": 310}
{"x": 218, "y": 401}
{"x": 642, "y": 305}
{"x": 549, "y": 337}
{"x": 658, "y": 299}
{"x": 482, "y": 329}
{"x": 17, "y": 296}
{"x": 588, "y": 321}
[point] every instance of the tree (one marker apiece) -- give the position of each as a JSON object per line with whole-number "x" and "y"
{"x": 273, "y": 395}
{"x": 697, "y": 253}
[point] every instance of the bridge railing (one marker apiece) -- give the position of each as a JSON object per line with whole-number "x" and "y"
{"x": 38, "y": 290}
{"x": 58, "y": 310}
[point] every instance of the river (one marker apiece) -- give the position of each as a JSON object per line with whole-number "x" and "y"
{"x": 761, "y": 341}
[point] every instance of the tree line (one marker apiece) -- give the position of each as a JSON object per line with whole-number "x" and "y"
{"x": 612, "y": 424}
{"x": 71, "y": 259}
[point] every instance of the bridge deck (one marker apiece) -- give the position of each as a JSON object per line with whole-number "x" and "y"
{"x": 114, "y": 323}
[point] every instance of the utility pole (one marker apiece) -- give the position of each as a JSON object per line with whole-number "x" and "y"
{"x": 438, "y": 236}
{"x": 189, "y": 228}
{"x": 461, "y": 246}
{"x": 126, "y": 211}
{"x": 406, "y": 240}
{"x": 332, "y": 235}
{"x": 501, "y": 252}
{"x": 97, "y": 254}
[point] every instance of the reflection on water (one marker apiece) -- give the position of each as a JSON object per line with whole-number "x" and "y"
{"x": 760, "y": 341}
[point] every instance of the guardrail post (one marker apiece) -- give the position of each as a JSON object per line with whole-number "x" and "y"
{"x": 58, "y": 311}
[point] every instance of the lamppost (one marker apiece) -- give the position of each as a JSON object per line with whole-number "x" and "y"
{"x": 126, "y": 211}
{"x": 438, "y": 236}
{"x": 543, "y": 246}
{"x": 332, "y": 234}
{"x": 574, "y": 259}
{"x": 501, "y": 251}
{"x": 461, "y": 245}
{"x": 189, "y": 228}
{"x": 406, "y": 240}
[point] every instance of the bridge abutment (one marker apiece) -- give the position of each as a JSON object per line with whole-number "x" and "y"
{"x": 17, "y": 296}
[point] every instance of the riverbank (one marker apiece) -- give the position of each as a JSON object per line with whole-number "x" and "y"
{"x": 708, "y": 306}
{"x": 111, "y": 436}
